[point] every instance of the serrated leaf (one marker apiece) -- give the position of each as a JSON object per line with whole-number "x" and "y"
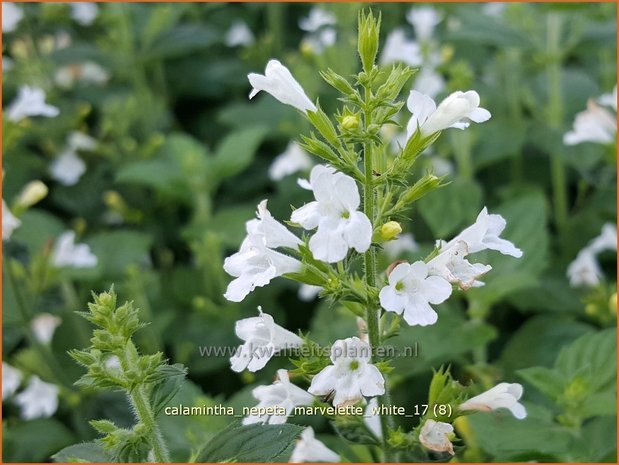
{"x": 163, "y": 392}
{"x": 252, "y": 443}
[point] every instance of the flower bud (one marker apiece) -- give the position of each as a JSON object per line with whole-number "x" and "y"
{"x": 369, "y": 30}
{"x": 426, "y": 184}
{"x": 390, "y": 230}
{"x": 350, "y": 122}
{"x": 32, "y": 193}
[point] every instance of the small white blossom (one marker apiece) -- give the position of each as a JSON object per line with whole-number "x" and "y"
{"x": 282, "y": 394}
{"x": 278, "y": 82}
{"x": 84, "y": 13}
{"x": 80, "y": 141}
{"x": 317, "y": 19}
{"x": 372, "y": 419}
{"x": 609, "y": 100}
{"x": 456, "y": 111}
{"x": 424, "y": 19}
{"x": 239, "y": 34}
{"x": 30, "y": 101}
{"x": 310, "y": 449}
{"x": 263, "y": 339}
{"x": 595, "y": 124}
{"x": 88, "y": 72}
{"x": 307, "y": 292}
{"x": 351, "y": 376}
{"x": 11, "y": 379}
{"x": 257, "y": 263}
{"x": 334, "y": 213}
{"x": 584, "y": 270}
{"x": 607, "y": 240}
{"x": 399, "y": 48}
{"x": 434, "y": 435}
{"x": 67, "y": 253}
{"x": 429, "y": 82}
{"x": 410, "y": 292}
{"x": 484, "y": 234}
{"x": 38, "y": 400}
{"x": 68, "y": 168}
{"x": 452, "y": 265}
{"x": 11, "y": 16}
{"x": 320, "y": 40}
{"x": 494, "y": 9}
{"x": 9, "y": 222}
{"x": 293, "y": 159}
{"x": 44, "y": 326}
{"x": 503, "y": 395}
{"x": 403, "y": 244}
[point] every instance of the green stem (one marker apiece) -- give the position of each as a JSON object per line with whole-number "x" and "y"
{"x": 145, "y": 413}
{"x": 555, "y": 117}
{"x": 369, "y": 260}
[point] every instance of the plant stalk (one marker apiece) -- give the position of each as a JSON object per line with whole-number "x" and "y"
{"x": 369, "y": 259}
{"x": 147, "y": 417}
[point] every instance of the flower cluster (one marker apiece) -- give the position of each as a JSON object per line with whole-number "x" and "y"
{"x": 585, "y": 269}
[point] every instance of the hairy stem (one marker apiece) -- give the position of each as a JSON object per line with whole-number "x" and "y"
{"x": 369, "y": 260}
{"x": 139, "y": 399}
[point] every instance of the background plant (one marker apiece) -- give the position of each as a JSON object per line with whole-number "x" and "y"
{"x": 168, "y": 189}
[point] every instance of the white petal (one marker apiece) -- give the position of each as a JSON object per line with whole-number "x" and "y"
{"x": 358, "y": 232}
{"x": 419, "y": 312}
{"x": 324, "y": 382}
{"x": 372, "y": 383}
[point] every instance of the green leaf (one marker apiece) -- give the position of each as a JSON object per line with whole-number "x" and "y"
{"x": 481, "y": 29}
{"x": 37, "y": 229}
{"x": 49, "y": 435}
{"x": 180, "y": 41}
{"x": 546, "y": 380}
{"x": 163, "y": 392}
{"x": 451, "y": 207}
{"x": 85, "y": 452}
{"x": 237, "y": 151}
{"x": 505, "y": 438}
{"x": 252, "y": 443}
{"x": 116, "y": 250}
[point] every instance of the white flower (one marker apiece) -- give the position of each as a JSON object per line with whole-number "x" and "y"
{"x": 371, "y": 418}
{"x": 44, "y": 326}
{"x": 11, "y": 379}
{"x": 610, "y": 100}
{"x": 86, "y": 73}
{"x": 317, "y": 19}
{"x": 68, "y": 253}
{"x": 484, "y": 234}
{"x": 494, "y": 9}
{"x": 38, "y": 400}
{"x": 80, "y": 141}
{"x": 282, "y": 394}
{"x": 307, "y": 292}
{"x": 334, "y": 213}
{"x": 351, "y": 376}
{"x": 434, "y": 435}
{"x": 318, "y": 41}
{"x": 9, "y": 222}
{"x": 399, "y": 48}
{"x": 452, "y": 265}
{"x": 310, "y": 449}
{"x": 404, "y": 243}
{"x": 595, "y": 124}
{"x": 278, "y": 82}
{"x": 30, "y": 101}
{"x": 84, "y": 12}
{"x": 239, "y": 34}
{"x": 256, "y": 263}
{"x": 411, "y": 290}
{"x": 11, "y": 16}
{"x": 503, "y": 395}
{"x": 607, "y": 240}
{"x": 584, "y": 270}
{"x": 429, "y": 82}
{"x": 455, "y": 111}
{"x": 263, "y": 339}
{"x": 293, "y": 159}
{"x": 424, "y": 19}
{"x": 68, "y": 168}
